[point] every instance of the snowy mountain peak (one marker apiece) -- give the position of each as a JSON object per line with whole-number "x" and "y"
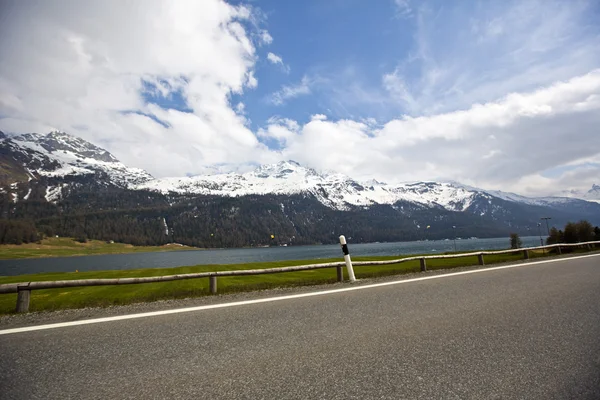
{"x": 374, "y": 182}
{"x": 283, "y": 169}
{"x": 58, "y": 154}
{"x": 57, "y": 141}
{"x": 334, "y": 190}
{"x": 281, "y": 165}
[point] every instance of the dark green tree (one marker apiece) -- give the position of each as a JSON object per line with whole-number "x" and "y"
{"x": 515, "y": 241}
{"x": 585, "y": 231}
{"x": 571, "y": 234}
{"x": 554, "y": 237}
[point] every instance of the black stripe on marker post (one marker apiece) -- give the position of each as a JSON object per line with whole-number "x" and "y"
{"x": 345, "y": 249}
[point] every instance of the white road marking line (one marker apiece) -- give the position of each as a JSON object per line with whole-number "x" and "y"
{"x": 279, "y": 298}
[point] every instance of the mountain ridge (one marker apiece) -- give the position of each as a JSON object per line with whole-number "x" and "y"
{"x": 70, "y": 155}
{"x": 68, "y": 186}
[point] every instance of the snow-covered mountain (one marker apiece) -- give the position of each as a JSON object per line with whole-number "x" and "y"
{"x": 59, "y": 155}
{"x": 333, "y": 190}
{"x": 59, "y": 184}
{"x": 591, "y": 195}
{"x": 338, "y": 191}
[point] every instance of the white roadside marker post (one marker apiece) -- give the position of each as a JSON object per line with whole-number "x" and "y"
{"x": 347, "y": 258}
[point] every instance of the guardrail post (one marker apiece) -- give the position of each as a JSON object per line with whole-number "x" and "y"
{"x": 589, "y": 246}
{"x": 347, "y": 258}
{"x": 526, "y": 254}
{"x": 423, "y": 265}
{"x": 23, "y": 296}
{"x": 558, "y": 248}
{"x": 480, "y": 259}
{"x": 212, "y": 283}
{"x": 340, "y": 273}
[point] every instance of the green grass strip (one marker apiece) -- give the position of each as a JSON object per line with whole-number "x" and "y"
{"x": 104, "y": 296}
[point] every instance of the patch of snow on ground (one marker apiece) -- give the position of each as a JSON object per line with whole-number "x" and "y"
{"x": 53, "y": 193}
{"x": 166, "y": 227}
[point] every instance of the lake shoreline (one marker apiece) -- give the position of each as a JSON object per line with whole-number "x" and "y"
{"x": 100, "y": 248}
{"x": 140, "y": 258}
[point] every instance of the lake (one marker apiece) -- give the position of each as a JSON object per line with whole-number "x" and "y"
{"x": 236, "y": 256}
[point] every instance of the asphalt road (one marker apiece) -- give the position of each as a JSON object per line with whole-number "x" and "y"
{"x": 522, "y": 333}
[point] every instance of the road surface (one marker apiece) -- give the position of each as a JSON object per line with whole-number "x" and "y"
{"x": 530, "y": 332}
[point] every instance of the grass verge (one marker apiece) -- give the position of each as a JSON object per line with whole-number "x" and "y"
{"x": 65, "y": 247}
{"x": 103, "y": 296}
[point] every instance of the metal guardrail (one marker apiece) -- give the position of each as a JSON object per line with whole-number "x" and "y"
{"x": 23, "y": 289}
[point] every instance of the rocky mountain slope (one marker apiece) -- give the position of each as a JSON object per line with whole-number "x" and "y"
{"x": 60, "y": 156}
{"x": 338, "y": 191}
{"x": 72, "y": 187}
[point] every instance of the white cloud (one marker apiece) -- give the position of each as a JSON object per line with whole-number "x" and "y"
{"x": 507, "y": 144}
{"x": 579, "y": 179}
{"x": 265, "y": 37}
{"x": 277, "y": 60}
{"x": 62, "y": 68}
{"x": 464, "y": 54}
{"x": 459, "y": 124}
{"x": 291, "y": 91}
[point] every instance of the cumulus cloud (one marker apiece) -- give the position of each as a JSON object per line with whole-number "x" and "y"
{"x": 265, "y": 37}
{"x": 452, "y": 118}
{"x": 277, "y": 60}
{"x": 506, "y": 144}
{"x": 279, "y": 131}
{"x": 63, "y": 68}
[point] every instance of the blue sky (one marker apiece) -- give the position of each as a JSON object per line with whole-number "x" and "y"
{"x": 337, "y": 43}
{"x": 334, "y": 43}
{"x": 345, "y": 48}
{"x": 497, "y": 94}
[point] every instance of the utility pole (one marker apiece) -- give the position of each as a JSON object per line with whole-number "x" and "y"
{"x": 547, "y": 225}
{"x": 541, "y": 240}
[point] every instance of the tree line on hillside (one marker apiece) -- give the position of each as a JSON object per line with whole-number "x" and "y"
{"x": 18, "y": 232}
{"x": 213, "y": 222}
